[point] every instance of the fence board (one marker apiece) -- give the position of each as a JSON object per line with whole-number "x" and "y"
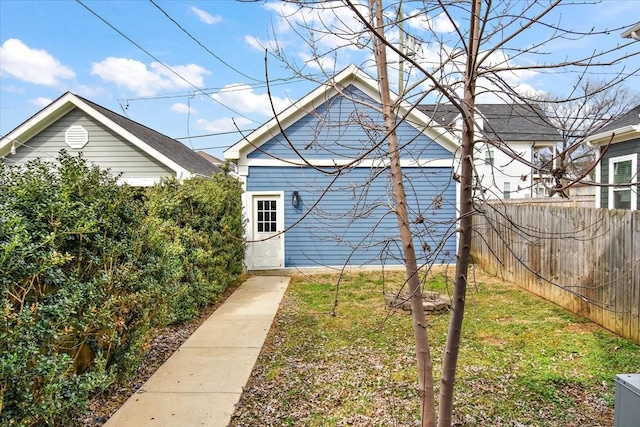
{"x": 583, "y": 259}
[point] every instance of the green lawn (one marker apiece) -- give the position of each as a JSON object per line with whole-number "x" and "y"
{"x": 523, "y": 361}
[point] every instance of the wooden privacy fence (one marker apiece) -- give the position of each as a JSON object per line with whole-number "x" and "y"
{"x": 583, "y": 259}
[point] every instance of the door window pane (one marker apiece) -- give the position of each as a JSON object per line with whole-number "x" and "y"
{"x": 266, "y": 216}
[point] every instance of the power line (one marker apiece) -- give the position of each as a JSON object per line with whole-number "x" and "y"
{"x": 200, "y": 44}
{"x": 160, "y": 62}
{"x": 216, "y": 134}
{"x": 213, "y": 90}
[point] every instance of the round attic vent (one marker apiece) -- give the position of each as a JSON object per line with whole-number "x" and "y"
{"x": 76, "y": 136}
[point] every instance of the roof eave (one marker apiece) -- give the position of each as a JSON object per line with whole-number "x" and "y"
{"x": 351, "y": 74}
{"x": 632, "y": 33}
{"x": 63, "y": 105}
{"x": 289, "y": 115}
{"x": 36, "y": 123}
{"x": 613, "y": 136}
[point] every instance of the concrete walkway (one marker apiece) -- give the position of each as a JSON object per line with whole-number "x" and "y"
{"x": 202, "y": 381}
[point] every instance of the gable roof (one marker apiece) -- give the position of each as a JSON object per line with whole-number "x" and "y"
{"x": 506, "y": 122}
{"x": 352, "y": 75}
{"x": 633, "y": 32}
{"x": 170, "y": 152}
{"x": 622, "y": 129}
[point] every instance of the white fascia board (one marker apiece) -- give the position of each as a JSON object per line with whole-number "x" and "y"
{"x": 41, "y": 120}
{"x": 620, "y": 134}
{"x": 430, "y": 128}
{"x": 350, "y": 75}
{"x": 364, "y": 163}
{"x": 540, "y": 144}
{"x": 632, "y": 33}
{"x": 287, "y": 117}
{"x": 63, "y": 105}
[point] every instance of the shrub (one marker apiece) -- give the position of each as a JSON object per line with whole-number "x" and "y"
{"x": 88, "y": 270}
{"x": 203, "y": 220}
{"x": 66, "y": 261}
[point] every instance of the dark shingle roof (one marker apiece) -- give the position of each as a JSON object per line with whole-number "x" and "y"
{"x": 630, "y": 118}
{"x": 169, "y": 147}
{"x": 508, "y": 122}
{"x": 443, "y": 114}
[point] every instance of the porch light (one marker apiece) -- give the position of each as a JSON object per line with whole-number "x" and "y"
{"x": 295, "y": 199}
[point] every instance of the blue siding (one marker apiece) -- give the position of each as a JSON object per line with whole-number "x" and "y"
{"x": 353, "y": 222}
{"x": 343, "y": 129}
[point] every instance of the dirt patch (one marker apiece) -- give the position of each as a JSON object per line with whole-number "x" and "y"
{"x": 582, "y": 328}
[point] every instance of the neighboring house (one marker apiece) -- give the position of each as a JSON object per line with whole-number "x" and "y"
{"x": 212, "y": 159}
{"x": 633, "y": 32}
{"x": 319, "y": 193}
{"x": 619, "y": 145}
{"x": 217, "y": 162}
{"x": 106, "y": 139}
{"x": 524, "y": 130}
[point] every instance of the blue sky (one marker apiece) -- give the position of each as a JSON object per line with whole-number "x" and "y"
{"x": 119, "y": 54}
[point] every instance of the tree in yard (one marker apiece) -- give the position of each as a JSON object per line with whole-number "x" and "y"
{"x": 471, "y": 50}
{"x": 592, "y": 105}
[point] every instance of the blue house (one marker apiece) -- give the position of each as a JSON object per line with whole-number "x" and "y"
{"x": 317, "y": 184}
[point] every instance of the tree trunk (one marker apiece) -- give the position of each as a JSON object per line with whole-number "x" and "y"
{"x": 425, "y": 366}
{"x": 445, "y": 413}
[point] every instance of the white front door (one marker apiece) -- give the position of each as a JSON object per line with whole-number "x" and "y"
{"x": 267, "y": 246}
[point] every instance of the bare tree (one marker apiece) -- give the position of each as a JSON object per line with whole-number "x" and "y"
{"x": 487, "y": 43}
{"x": 591, "y": 105}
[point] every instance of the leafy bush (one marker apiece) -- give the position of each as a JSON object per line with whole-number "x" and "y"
{"x": 87, "y": 271}
{"x": 203, "y": 220}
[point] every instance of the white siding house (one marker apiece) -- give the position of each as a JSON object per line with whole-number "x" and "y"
{"x": 106, "y": 139}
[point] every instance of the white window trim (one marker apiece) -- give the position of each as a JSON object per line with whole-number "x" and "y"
{"x": 634, "y": 178}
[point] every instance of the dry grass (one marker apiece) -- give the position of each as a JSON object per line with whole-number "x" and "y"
{"x": 523, "y": 361}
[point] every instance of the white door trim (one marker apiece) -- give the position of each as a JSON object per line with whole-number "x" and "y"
{"x": 251, "y": 229}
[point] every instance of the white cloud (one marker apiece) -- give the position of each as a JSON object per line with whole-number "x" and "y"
{"x": 337, "y": 26}
{"x": 206, "y": 17}
{"x": 319, "y": 63}
{"x": 135, "y": 76}
{"x": 40, "y": 102}
{"x": 242, "y": 98}
{"x": 89, "y": 92}
{"x": 32, "y": 65}
{"x": 182, "y": 108}
{"x": 225, "y": 124}
{"x": 501, "y": 82}
{"x": 440, "y": 24}
{"x": 255, "y": 42}
{"x": 193, "y": 74}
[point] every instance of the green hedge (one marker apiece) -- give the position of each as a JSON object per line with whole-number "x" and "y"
{"x": 88, "y": 270}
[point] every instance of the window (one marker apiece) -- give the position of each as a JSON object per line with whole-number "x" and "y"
{"x": 488, "y": 157}
{"x": 266, "y": 211}
{"x": 507, "y": 190}
{"x": 623, "y": 170}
